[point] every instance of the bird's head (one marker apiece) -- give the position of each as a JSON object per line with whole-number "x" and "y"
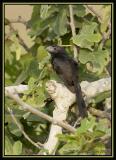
{"x": 54, "y": 49}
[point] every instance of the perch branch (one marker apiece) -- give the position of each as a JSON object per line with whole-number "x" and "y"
{"x": 59, "y": 94}
{"x": 90, "y": 89}
{"x": 63, "y": 98}
{"x": 39, "y": 113}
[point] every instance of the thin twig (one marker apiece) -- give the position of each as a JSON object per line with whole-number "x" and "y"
{"x": 72, "y": 25}
{"x": 21, "y": 41}
{"x": 106, "y": 35}
{"x": 38, "y": 144}
{"x": 99, "y": 113}
{"x": 94, "y": 11}
{"x": 39, "y": 113}
{"x": 18, "y": 20}
{"x": 105, "y": 137}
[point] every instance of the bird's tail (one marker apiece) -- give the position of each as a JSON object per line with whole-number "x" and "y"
{"x": 80, "y": 101}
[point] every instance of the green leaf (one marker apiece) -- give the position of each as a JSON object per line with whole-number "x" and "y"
{"x": 99, "y": 149}
{"x": 30, "y": 68}
{"x": 79, "y": 10}
{"x": 41, "y": 26}
{"x": 31, "y": 83}
{"x": 33, "y": 68}
{"x": 102, "y": 126}
{"x": 97, "y": 59}
{"x": 36, "y": 93}
{"x": 86, "y": 140}
{"x": 17, "y": 148}
{"x": 88, "y": 28}
{"x": 86, "y": 38}
{"x": 98, "y": 133}
{"x": 44, "y": 11}
{"x": 8, "y": 55}
{"x": 41, "y": 96}
{"x": 15, "y": 130}
{"x": 108, "y": 43}
{"x": 106, "y": 16}
{"x": 70, "y": 149}
{"x": 102, "y": 96}
{"x": 17, "y": 47}
{"x": 34, "y": 118}
{"x": 80, "y": 40}
{"x": 86, "y": 125}
{"x": 94, "y": 37}
{"x": 103, "y": 13}
{"x": 41, "y": 53}
{"x": 8, "y": 146}
{"x": 16, "y": 110}
{"x": 22, "y": 77}
{"x": 35, "y": 16}
{"x": 60, "y": 26}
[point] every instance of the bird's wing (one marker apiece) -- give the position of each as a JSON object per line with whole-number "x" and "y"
{"x": 64, "y": 70}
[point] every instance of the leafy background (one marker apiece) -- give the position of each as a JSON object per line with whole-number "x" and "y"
{"x": 50, "y": 24}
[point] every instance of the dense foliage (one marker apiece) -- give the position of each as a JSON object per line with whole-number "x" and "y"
{"x": 50, "y": 24}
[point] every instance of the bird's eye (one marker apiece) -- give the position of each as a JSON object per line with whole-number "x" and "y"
{"x": 55, "y": 48}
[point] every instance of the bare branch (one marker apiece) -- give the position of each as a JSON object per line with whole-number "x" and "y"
{"x": 18, "y": 37}
{"x": 21, "y": 129}
{"x": 106, "y": 35}
{"x": 16, "y": 89}
{"x": 72, "y": 25}
{"x": 39, "y": 113}
{"x": 63, "y": 98}
{"x": 18, "y": 20}
{"x": 94, "y": 11}
{"x": 99, "y": 113}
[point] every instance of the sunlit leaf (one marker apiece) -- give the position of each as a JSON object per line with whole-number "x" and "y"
{"x": 8, "y": 55}
{"x": 86, "y": 125}
{"x": 60, "y": 26}
{"x": 17, "y": 148}
{"x": 41, "y": 53}
{"x": 99, "y": 59}
{"x": 79, "y": 10}
{"x": 8, "y": 146}
{"x": 44, "y": 11}
{"x": 86, "y": 38}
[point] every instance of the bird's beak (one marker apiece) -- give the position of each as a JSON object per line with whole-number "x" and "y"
{"x": 49, "y": 49}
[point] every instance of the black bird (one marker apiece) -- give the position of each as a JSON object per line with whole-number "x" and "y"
{"x": 67, "y": 69}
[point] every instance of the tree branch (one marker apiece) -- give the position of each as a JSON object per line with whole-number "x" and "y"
{"x": 99, "y": 113}
{"x": 21, "y": 129}
{"x": 105, "y": 35}
{"x": 18, "y": 20}
{"x": 39, "y": 113}
{"x": 59, "y": 94}
{"x": 94, "y": 11}
{"x": 63, "y": 98}
{"x": 21, "y": 42}
{"x": 72, "y": 25}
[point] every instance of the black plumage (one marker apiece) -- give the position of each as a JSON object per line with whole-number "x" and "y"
{"x": 67, "y": 69}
